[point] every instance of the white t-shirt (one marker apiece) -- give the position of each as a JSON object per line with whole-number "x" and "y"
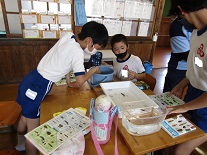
{"x": 197, "y": 60}
{"x": 65, "y": 56}
{"x": 133, "y": 63}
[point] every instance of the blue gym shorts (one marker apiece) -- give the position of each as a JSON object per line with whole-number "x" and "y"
{"x": 199, "y": 116}
{"x": 36, "y": 86}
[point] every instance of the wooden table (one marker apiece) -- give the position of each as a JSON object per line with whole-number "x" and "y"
{"x": 127, "y": 144}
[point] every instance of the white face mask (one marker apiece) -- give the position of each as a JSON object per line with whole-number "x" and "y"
{"x": 86, "y": 50}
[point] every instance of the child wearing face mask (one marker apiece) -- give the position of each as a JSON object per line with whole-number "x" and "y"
{"x": 126, "y": 66}
{"x": 65, "y": 56}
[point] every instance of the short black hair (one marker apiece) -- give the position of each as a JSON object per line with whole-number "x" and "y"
{"x": 118, "y": 38}
{"x": 187, "y": 5}
{"x": 96, "y": 31}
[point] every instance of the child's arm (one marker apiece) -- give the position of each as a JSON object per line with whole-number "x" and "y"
{"x": 81, "y": 79}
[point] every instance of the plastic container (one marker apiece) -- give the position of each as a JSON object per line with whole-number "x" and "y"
{"x": 142, "y": 121}
{"x": 148, "y": 67}
{"x": 106, "y": 75}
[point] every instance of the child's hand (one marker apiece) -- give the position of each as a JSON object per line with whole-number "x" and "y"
{"x": 131, "y": 74}
{"x": 73, "y": 84}
{"x": 176, "y": 109}
{"x": 177, "y": 91}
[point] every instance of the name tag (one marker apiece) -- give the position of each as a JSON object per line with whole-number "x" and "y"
{"x": 31, "y": 94}
{"x": 198, "y": 62}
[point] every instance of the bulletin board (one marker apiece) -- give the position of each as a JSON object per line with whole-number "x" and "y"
{"x": 129, "y": 17}
{"x": 46, "y": 19}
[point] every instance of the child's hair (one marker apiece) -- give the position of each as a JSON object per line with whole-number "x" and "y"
{"x": 187, "y": 5}
{"x": 96, "y": 31}
{"x": 118, "y": 38}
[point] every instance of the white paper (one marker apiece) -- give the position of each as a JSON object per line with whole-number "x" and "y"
{"x": 126, "y": 28}
{"x": 97, "y": 7}
{"x": 31, "y": 33}
{"x": 64, "y": 19}
{"x": 138, "y": 10}
{"x": 47, "y": 19}
{"x": 119, "y": 9}
{"x": 29, "y": 19}
{"x": 129, "y": 9}
{"x": 62, "y": 33}
{"x": 49, "y": 34}
{"x": 65, "y": 8}
{"x": 63, "y": 1}
{"x": 113, "y": 26}
{"x": 147, "y": 10}
{"x": 108, "y": 8}
{"x": 143, "y": 29}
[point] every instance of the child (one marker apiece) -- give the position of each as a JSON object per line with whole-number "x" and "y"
{"x": 126, "y": 62}
{"x": 65, "y": 56}
{"x": 180, "y": 43}
{"x": 196, "y": 75}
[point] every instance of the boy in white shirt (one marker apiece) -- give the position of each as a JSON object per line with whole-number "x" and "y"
{"x": 126, "y": 66}
{"x": 65, "y": 56}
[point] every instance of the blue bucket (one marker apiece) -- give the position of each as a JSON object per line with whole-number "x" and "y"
{"x": 106, "y": 75}
{"x": 148, "y": 67}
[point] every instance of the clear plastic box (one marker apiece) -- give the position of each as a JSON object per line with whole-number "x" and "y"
{"x": 142, "y": 120}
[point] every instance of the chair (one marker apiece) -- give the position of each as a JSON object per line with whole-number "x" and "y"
{"x": 10, "y": 112}
{"x": 151, "y": 81}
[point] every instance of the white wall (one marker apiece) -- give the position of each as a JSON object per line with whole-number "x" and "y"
{"x": 2, "y": 27}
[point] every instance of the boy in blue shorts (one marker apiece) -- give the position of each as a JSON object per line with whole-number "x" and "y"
{"x": 196, "y": 76}
{"x": 65, "y": 56}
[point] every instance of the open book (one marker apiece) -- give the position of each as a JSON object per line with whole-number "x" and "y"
{"x": 55, "y": 132}
{"x": 177, "y": 126}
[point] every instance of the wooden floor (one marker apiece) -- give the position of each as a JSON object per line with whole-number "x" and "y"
{"x": 9, "y": 92}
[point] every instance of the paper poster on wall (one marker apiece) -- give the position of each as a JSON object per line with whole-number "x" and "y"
{"x": 29, "y": 18}
{"x": 129, "y": 9}
{"x": 62, "y": 33}
{"x": 63, "y": 1}
{"x": 108, "y": 5}
{"x": 64, "y": 19}
{"x": 80, "y": 13}
{"x": 31, "y": 34}
{"x": 46, "y": 0}
{"x": 138, "y": 10}
{"x": 47, "y": 19}
{"x": 113, "y": 26}
{"x": 66, "y": 8}
{"x": 143, "y": 29}
{"x": 49, "y": 34}
{"x": 98, "y": 20}
{"x": 97, "y": 7}
{"x": 119, "y": 9}
{"x": 147, "y": 11}
{"x": 126, "y": 28}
